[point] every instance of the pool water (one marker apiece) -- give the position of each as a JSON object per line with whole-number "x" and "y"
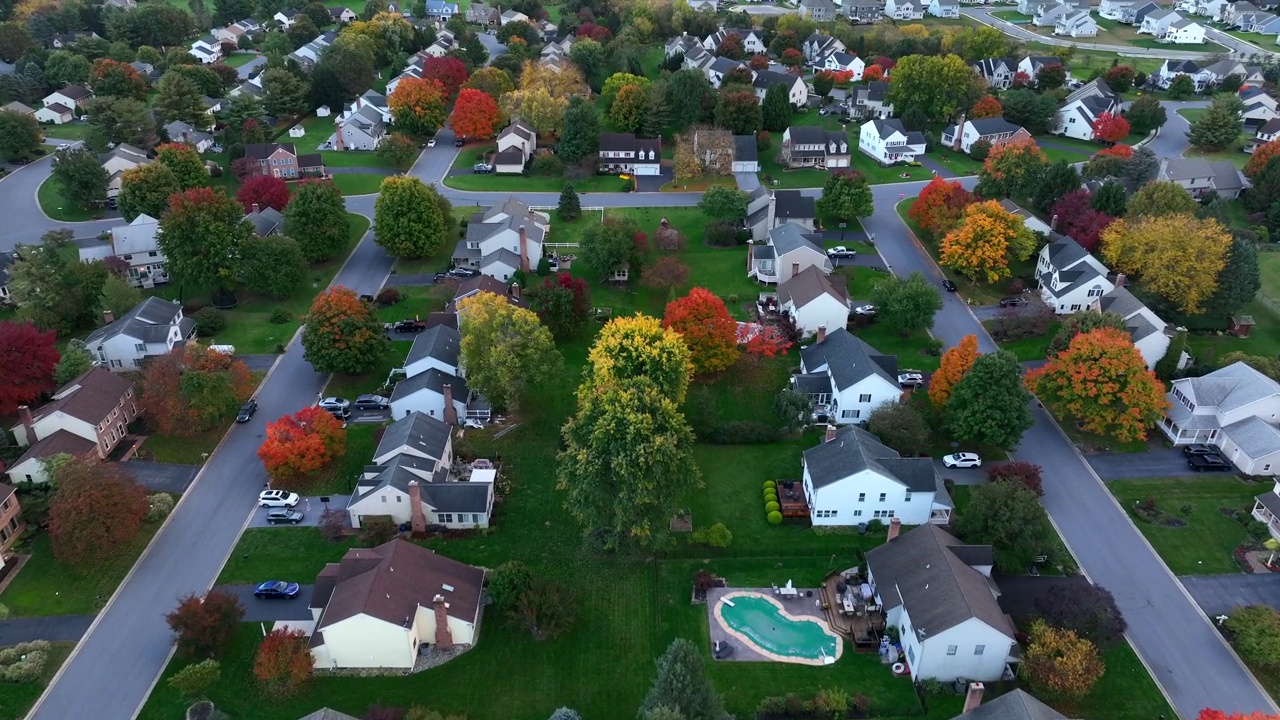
{"x": 761, "y": 620}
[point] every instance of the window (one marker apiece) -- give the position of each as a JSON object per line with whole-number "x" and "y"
{"x": 882, "y": 496}
{"x": 911, "y": 654}
{"x": 951, "y": 649}
{"x": 857, "y": 513}
{"x": 445, "y": 517}
{"x": 826, "y": 513}
{"x": 399, "y": 498}
{"x": 5, "y": 506}
{"x": 979, "y": 649}
{"x": 847, "y": 414}
{"x": 864, "y": 398}
{"x": 883, "y": 514}
{"x": 384, "y": 498}
{"x": 908, "y": 497}
{"x": 862, "y": 497}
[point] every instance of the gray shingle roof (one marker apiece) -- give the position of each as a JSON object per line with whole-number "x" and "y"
{"x": 1065, "y": 252}
{"x": 433, "y": 380}
{"x": 1226, "y": 177}
{"x": 1016, "y": 705}
{"x": 441, "y": 343}
{"x": 854, "y": 450}
{"x": 418, "y": 431}
{"x": 744, "y": 148}
{"x": 789, "y": 237}
{"x": 1254, "y": 436}
{"x": 994, "y": 126}
{"x": 792, "y": 204}
{"x": 809, "y": 284}
{"x": 849, "y": 359}
{"x": 148, "y": 321}
{"x": 1229, "y": 388}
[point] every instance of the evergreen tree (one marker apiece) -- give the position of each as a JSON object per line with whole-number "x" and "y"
{"x": 570, "y": 208}
{"x": 776, "y": 109}
{"x": 682, "y": 684}
{"x": 1266, "y": 188}
{"x": 1167, "y": 366}
{"x": 1058, "y": 179}
{"x": 1110, "y": 199}
{"x": 1220, "y": 126}
{"x": 1238, "y": 281}
{"x": 581, "y": 135}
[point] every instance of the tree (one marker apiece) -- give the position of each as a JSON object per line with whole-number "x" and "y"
{"x": 1110, "y": 127}
{"x": 96, "y": 511}
{"x": 15, "y": 41}
{"x": 1239, "y": 280}
{"x": 724, "y": 203}
{"x": 989, "y": 404}
{"x": 492, "y": 81}
{"x": 667, "y": 275}
{"x": 987, "y": 107}
{"x": 505, "y": 348}
{"x": 776, "y": 110}
{"x": 872, "y": 73}
{"x": 708, "y": 330}
{"x": 607, "y": 246}
{"x": 1077, "y": 219}
{"x": 80, "y": 178}
{"x": 738, "y": 110}
{"x": 1061, "y": 663}
{"x": 284, "y": 663}
{"x": 179, "y": 98}
{"x": 344, "y": 70}
{"x": 1057, "y": 180}
{"x": 638, "y": 347}
{"x": 613, "y": 86}
{"x": 185, "y": 163}
{"x": 845, "y": 197}
{"x": 986, "y": 239}
{"x": 1102, "y": 381}
{"x": 193, "y": 681}
{"x": 274, "y": 265}
{"x": 1082, "y": 322}
{"x": 1159, "y": 198}
{"x": 475, "y": 115}
{"x": 1013, "y": 169}
{"x": 75, "y": 362}
{"x": 119, "y": 296}
{"x": 398, "y": 149}
{"x": 934, "y": 87}
{"x": 203, "y": 236}
{"x": 1260, "y": 158}
{"x": 1256, "y": 634}
{"x": 449, "y": 72}
{"x": 900, "y": 426}
{"x": 681, "y": 684}
{"x": 1119, "y": 78}
{"x": 940, "y": 206}
{"x": 823, "y": 81}
{"x": 569, "y": 208}
{"x": 54, "y": 290}
{"x": 27, "y": 361}
{"x": 1220, "y": 125}
{"x": 20, "y": 135}
{"x": 1008, "y": 517}
{"x": 408, "y": 220}
{"x": 1181, "y": 87}
{"x": 300, "y": 445}
{"x": 1110, "y": 199}
{"x": 1178, "y": 257}
{"x": 955, "y": 363}
{"x": 146, "y": 189}
{"x": 1088, "y": 610}
{"x": 544, "y": 95}
{"x": 264, "y": 191}
{"x": 906, "y": 304}
{"x": 317, "y": 218}
{"x": 203, "y": 627}
{"x": 581, "y": 135}
{"x": 343, "y": 333}
{"x": 1210, "y": 714}
{"x": 1029, "y": 109}
{"x": 1024, "y": 474}
{"x": 1261, "y": 196}
{"x": 65, "y": 67}
{"x": 544, "y": 609}
{"x": 418, "y": 106}
{"x": 691, "y": 97}
{"x": 563, "y": 304}
{"x": 193, "y": 389}
{"x": 1146, "y": 114}
{"x": 113, "y": 78}
{"x": 1051, "y": 77}
{"x": 284, "y": 94}
{"x": 627, "y": 111}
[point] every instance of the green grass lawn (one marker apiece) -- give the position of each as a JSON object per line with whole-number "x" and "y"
{"x": 776, "y": 174}
{"x": 52, "y": 204}
{"x": 914, "y": 351}
{"x": 183, "y": 450}
{"x": 351, "y": 386}
{"x": 974, "y": 292}
{"x": 1036, "y": 348}
{"x": 1204, "y": 545}
{"x": 67, "y": 131}
{"x": 358, "y": 183}
{"x": 1012, "y": 16}
{"x": 17, "y": 698}
{"x": 239, "y": 59}
{"x": 319, "y": 129}
{"x": 1269, "y": 273}
{"x": 1071, "y": 156}
{"x": 470, "y": 155}
{"x": 1264, "y": 340}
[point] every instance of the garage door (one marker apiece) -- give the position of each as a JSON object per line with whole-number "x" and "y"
{"x": 647, "y": 170}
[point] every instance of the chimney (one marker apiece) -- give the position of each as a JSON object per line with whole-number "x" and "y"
{"x": 795, "y": 269}
{"x": 895, "y": 527}
{"x": 515, "y": 290}
{"x": 256, "y": 209}
{"x": 1121, "y": 280}
{"x": 450, "y": 412}
{"x": 524, "y": 250}
{"x": 24, "y": 414}
{"x": 418, "y": 519}
{"x": 830, "y": 435}
{"x": 973, "y": 698}
{"x": 955, "y": 142}
{"x": 822, "y": 333}
{"x": 444, "y": 638}
{"x": 108, "y": 316}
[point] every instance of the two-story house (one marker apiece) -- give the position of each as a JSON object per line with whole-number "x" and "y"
{"x": 819, "y": 45}
{"x": 846, "y": 379}
{"x": 117, "y": 161}
{"x": 1157, "y": 22}
{"x": 434, "y": 382}
{"x": 482, "y": 14}
{"x": 944, "y": 8}
{"x": 1236, "y": 409}
{"x": 516, "y": 145}
{"x": 135, "y": 244}
{"x": 818, "y": 10}
{"x": 283, "y": 161}
{"x": 1071, "y": 279}
{"x": 1250, "y": 75}
{"x": 812, "y": 146}
{"x": 1048, "y": 14}
{"x": 905, "y": 9}
{"x": 721, "y": 66}
{"x": 787, "y": 251}
{"x": 1171, "y": 69}
{"x": 1076, "y": 24}
{"x": 872, "y": 101}
{"x": 626, "y": 153}
{"x": 308, "y": 55}
{"x": 1032, "y": 64}
{"x": 231, "y": 34}
{"x": 363, "y": 129}
{"x": 502, "y": 240}
{"x": 852, "y": 478}
{"x": 681, "y": 45}
{"x": 998, "y": 72}
{"x": 440, "y": 10}
{"x": 152, "y": 327}
{"x": 1083, "y": 107}
{"x": 840, "y": 61}
{"x": 207, "y": 49}
{"x": 996, "y": 131}
{"x": 1199, "y": 176}
{"x": 61, "y": 106}
{"x": 342, "y": 15}
{"x": 797, "y": 91}
{"x": 752, "y": 44}
{"x": 1118, "y": 10}
{"x": 286, "y": 18}
{"x": 888, "y": 142}
{"x": 87, "y": 417}
{"x": 1184, "y": 31}
{"x": 1265, "y": 134}
{"x": 185, "y": 134}
{"x": 11, "y": 522}
{"x": 1150, "y": 334}
{"x": 863, "y": 12}
{"x": 1259, "y": 108}
{"x": 814, "y": 301}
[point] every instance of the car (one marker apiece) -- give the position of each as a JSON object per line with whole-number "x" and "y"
{"x": 431, "y": 142}
{"x": 481, "y": 169}
{"x": 910, "y": 379}
{"x": 64, "y": 146}
{"x": 461, "y": 272}
{"x": 440, "y": 277}
{"x": 371, "y": 402}
{"x": 246, "y": 411}
{"x": 459, "y": 141}
{"x": 283, "y": 515}
{"x": 409, "y": 326}
{"x": 276, "y": 590}
{"x": 948, "y": 285}
{"x": 1199, "y": 449}
{"x": 21, "y": 161}
{"x": 823, "y": 111}
{"x": 277, "y": 498}
{"x": 334, "y": 403}
{"x": 1012, "y": 301}
{"x": 865, "y": 310}
{"x": 1208, "y": 462}
{"x": 962, "y": 460}
{"x": 841, "y": 251}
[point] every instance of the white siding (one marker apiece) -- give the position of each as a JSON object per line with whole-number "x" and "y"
{"x": 367, "y": 642}
{"x": 967, "y": 639}
{"x": 856, "y": 499}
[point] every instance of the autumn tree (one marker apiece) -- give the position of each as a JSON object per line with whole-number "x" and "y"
{"x": 343, "y": 333}
{"x": 111, "y": 77}
{"x": 145, "y": 190}
{"x": 495, "y": 82}
{"x": 738, "y": 110}
{"x": 900, "y": 426}
{"x": 845, "y": 197}
{"x": 987, "y": 238}
{"x": 419, "y": 106}
{"x": 1110, "y": 127}
{"x": 409, "y": 221}
{"x": 97, "y": 509}
{"x": 1102, "y": 381}
{"x": 940, "y": 206}
{"x": 265, "y": 191}
{"x": 1260, "y": 157}
{"x": 931, "y": 87}
{"x": 563, "y": 303}
{"x": 1012, "y": 170}
{"x": 448, "y": 71}
{"x": 989, "y": 404}
{"x": 872, "y": 73}
{"x": 203, "y": 627}
{"x": 1061, "y": 663}
{"x": 908, "y": 304}
{"x": 1088, "y": 610}
{"x": 475, "y": 115}
{"x": 1178, "y": 257}
{"x": 1211, "y": 714}
{"x": 543, "y": 95}
{"x": 1082, "y": 322}
{"x": 1161, "y": 197}
{"x": 27, "y": 372}
{"x": 1078, "y": 220}
{"x": 505, "y": 348}
{"x": 1024, "y": 474}
{"x": 708, "y": 330}
{"x": 284, "y": 663}
{"x": 667, "y": 275}
{"x": 298, "y": 446}
{"x": 951, "y": 370}
{"x": 203, "y": 237}
{"x": 317, "y": 218}
{"x": 1255, "y": 631}
{"x": 614, "y": 84}
{"x": 634, "y": 347}
{"x": 193, "y": 389}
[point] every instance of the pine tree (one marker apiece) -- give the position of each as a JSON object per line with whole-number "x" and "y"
{"x": 1167, "y": 366}
{"x": 776, "y": 108}
{"x": 1057, "y": 180}
{"x": 581, "y": 134}
{"x": 1218, "y": 128}
{"x": 1110, "y": 199}
{"x": 570, "y": 208}
{"x": 682, "y": 684}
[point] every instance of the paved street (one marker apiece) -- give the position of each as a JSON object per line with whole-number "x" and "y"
{"x": 162, "y": 477}
{"x": 1221, "y": 594}
{"x": 256, "y": 610}
{"x": 23, "y": 220}
{"x": 59, "y": 628}
{"x": 1165, "y": 462}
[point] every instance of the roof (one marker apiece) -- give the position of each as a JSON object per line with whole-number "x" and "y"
{"x": 1185, "y": 168}
{"x": 390, "y": 582}
{"x": 439, "y": 492}
{"x": 886, "y": 127}
{"x": 876, "y": 91}
{"x": 744, "y": 148}
{"x": 510, "y": 156}
{"x": 136, "y": 237}
{"x": 1226, "y": 176}
{"x": 265, "y": 221}
{"x": 61, "y": 442}
{"x": 441, "y": 343}
{"x": 765, "y": 78}
{"x": 814, "y": 135}
{"x": 1229, "y": 388}
{"x": 790, "y": 204}
{"x": 148, "y": 321}
{"x": 126, "y": 152}
{"x": 808, "y": 285}
{"x": 58, "y": 108}
{"x": 75, "y": 92}
{"x": 328, "y": 713}
{"x": 993, "y": 126}
{"x": 17, "y": 107}
{"x": 921, "y": 572}
{"x": 854, "y": 450}
{"x": 789, "y": 237}
{"x": 1121, "y": 302}
{"x": 90, "y": 397}
{"x": 501, "y": 256}
{"x": 418, "y": 431}
{"x": 311, "y": 160}
{"x": 1254, "y": 436}
{"x": 262, "y": 151}
{"x": 849, "y": 359}
{"x": 433, "y": 380}
{"x": 520, "y": 129}
{"x": 1015, "y": 705}
{"x": 1065, "y": 252}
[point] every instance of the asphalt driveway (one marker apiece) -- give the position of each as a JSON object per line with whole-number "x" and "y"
{"x": 310, "y": 507}
{"x": 162, "y": 477}
{"x": 256, "y": 610}
{"x": 1221, "y": 594}
{"x": 258, "y": 363}
{"x": 1165, "y": 462}
{"x": 58, "y": 628}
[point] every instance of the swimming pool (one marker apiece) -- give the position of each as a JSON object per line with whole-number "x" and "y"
{"x": 764, "y": 625}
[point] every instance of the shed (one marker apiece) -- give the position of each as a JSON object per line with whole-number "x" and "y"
{"x": 1241, "y": 325}
{"x": 297, "y": 131}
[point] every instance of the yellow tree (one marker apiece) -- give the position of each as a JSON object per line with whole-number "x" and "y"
{"x": 639, "y": 347}
{"x": 543, "y": 95}
{"x": 1060, "y": 662}
{"x": 987, "y": 237}
{"x": 688, "y": 165}
{"x": 1177, "y": 256}
{"x": 505, "y": 349}
{"x": 955, "y": 363}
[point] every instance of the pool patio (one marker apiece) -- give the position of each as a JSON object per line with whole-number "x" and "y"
{"x": 801, "y": 607}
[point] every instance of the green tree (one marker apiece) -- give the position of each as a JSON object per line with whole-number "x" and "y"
{"x": 1082, "y": 322}
{"x": 119, "y": 120}
{"x": 185, "y": 163}
{"x": 724, "y": 203}
{"x": 1111, "y": 198}
{"x": 19, "y": 135}
{"x": 1256, "y": 633}
{"x": 607, "y": 246}
{"x": 52, "y": 289}
{"x": 570, "y": 208}
{"x": 273, "y": 265}
{"x": 284, "y": 94}
{"x": 738, "y": 110}
{"x": 682, "y": 684}
{"x": 691, "y": 98}
{"x": 906, "y": 304}
{"x": 989, "y": 406}
{"x": 407, "y": 217}
{"x": 505, "y": 349}
{"x": 179, "y": 98}
{"x": 581, "y": 136}
{"x": 80, "y": 178}
{"x": 399, "y": 149}
{"x": 118, "y": 296}
{"x": 845, "y": 197}
{"x": 496, "y": 82}
{"x": 933, "y": 87}
{"x": 64, "y": 67}
{"x": 1220, "y": 126}
{"x": 613, "y": 86}
{"x": 776, "y": 110}
{"x": 203, "y": 237}
{"x": 1159, "y": 198}
{"x": 1146, "y": 114}
{"x": 343, "y": 333}
{"x": 1008, "y": 517}
{"x": 317, "y": 218}
{"x": 145, "y": 190}
{"x": 900, "y": 426}
{"x": 75, "y": 362}
{"x": 1182, "y": 87}
{"x": 193, "y": 681}
{"x": 627, "y": 112}
{"x": 1239, "y": 280}
{"x": 589, "y": 56}
{"x": 345, "y": 70}
{"x": 1028, "y": 108}
{"x": 1051, "y": 77}
{"x": 1057, "y": 180}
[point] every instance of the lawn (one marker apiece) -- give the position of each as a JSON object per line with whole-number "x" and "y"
{"x": 183, "y": 450}
{"x": 1269, "y": 269}
{"x": 1036, "y": 348}
{"x": 351, "y": 386}
{"x": 67, "y": 131}
{"x": 292, "y": 552}
{"x": 17, "y": 698}
{"x": 51, "y": 203}
{"x": 1070, "y": 156}
{"x": 358, "y": 183}
{"x": 469, "y": 156}
{"x": 974, "y": 292}
{"x": 319, "y": 130}
{"x": 1264, "y": 340}
{"x": 1204, "y": 545}
{"x": 775, "y": 174}
{"x": 239, "y": 59}
{"x": 917, "y": 351}
{"x": 1012, "y": 16}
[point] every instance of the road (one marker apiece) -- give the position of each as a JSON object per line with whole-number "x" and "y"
{"x": 23, "y": 220}
{"x": 245, "y": 70}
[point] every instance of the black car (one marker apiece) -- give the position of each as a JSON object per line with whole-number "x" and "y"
{"x": 276, "y": 589}
{"x": 459, "y": 141}
{"x": 1199, "y": 449}
{"x": 371, "y": 402}
{"x": 463, "y": 272}
{"x": 441, "y": 277}
{"x": 409, "y": 326}
{"x": 283, "y": 515}
{"x": 948, "y": 285}
{"x": 246, "y": 411}
{"x": 1012, "y": 301}
{"x": 1207, "y": 462}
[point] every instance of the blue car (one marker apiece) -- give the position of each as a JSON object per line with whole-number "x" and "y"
{"x": 276, "y": 589}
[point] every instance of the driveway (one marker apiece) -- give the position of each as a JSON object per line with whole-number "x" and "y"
{"x": 962, "y": 476}
{"x": 1222, "y": 594}
{"x": 491, "y": 44}
{"x": 654, "y": 183}
{"x": 256, "y": 610}
{"x": 1019, "y": 593}
{"x": 245, "y": 70}
{"x": 58, "y": 628}
{"x": 163, "y": 477}
{"x": 1165, "y": 462}
{"x": 411, "y": 279}
{"x": 258, "y": 363}
{"x": 310, "y": 507}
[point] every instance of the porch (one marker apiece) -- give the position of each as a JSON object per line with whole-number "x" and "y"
{"x": 791, "y": 499}
{"x": 852, "y": 610}
{"x": 1266, "y": 509}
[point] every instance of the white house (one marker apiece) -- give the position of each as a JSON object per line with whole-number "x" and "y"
{"x": 517, "y": 140}
{"x": 1235, "y": 409}
{"x": 1083, "y": 107}
{"x": 286, "y": 18}
{"x": 152, "y": 327}
{"x": 939, "y": 594}
{"x": 887, "y": 142}
{"x": 904, "y": 9}
{"x": 506, "y": 238}
{"x": 116, "y": 161}
{"x": 944, "y": 8}
{"x": 207, "y": 49}
{"x": 813, "y": 146}
{"x": 1150, "y": 334}
{"x": 136, "y": 245}
{"x": 840, "y": 61}
{"x": 1171, "y": 69}
{"x": 681, "y": 45}
{"x": 440, "y": 9}
{"x": 998, "y": 72}
{"x": 1184, "y": 31}
{"x": 1029, "y": 220}
{"x": 1157, "y": 22}
{"x": 1076, "y": 24}
{"x": 752, "y": 43}
{"x": 1071, "y": 279}
{"x": 1199, "y": 176}
{"x": 872, "y": 101}
{"x": 378, "y": 607}
{"x": 846, "y": 378}
{"x": 852, "y": 478}
{"x": 436, "y": 348}
{"x": 813, "y": 301}
{"x": 1266, "y": 508}
{"x": 1048, "y": 14}
{"x": 1265, "y": 134}
{"x": 181, "y": 132}
{"x": 1032, "y": 64}
{"x": 787, "y": 252}
{"x": 819, "y": 45}
{"x": 1259, "y": 108}
{"x": 55, "y": 113}
{"x": 510, "y": 16}
{"x": 1117, "y": 10}
{"x": 433, "y": 392}
{"x": 797, "y": 91}
{"x": 61, "y": 106}
{"x": 995, "y": 130}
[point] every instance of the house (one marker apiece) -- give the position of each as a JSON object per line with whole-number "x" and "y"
{"x": 63, "y": 41}
{"x": 86, "y": 417}
{"x": 55, "y": 113}
{"x": 152, "y": 327}
{"x": 1076, "y": 24}
{"x": 1265, "y": 134}
{"x": 1141, "y": 9}
{"x": 1032, "y": 64}
{"x": 1184, "y": 31}
{"x": 135, "y": 245}
{"x": 181, "y": 132}
{"x": 1234, "y": 409}
{"x": 283, "y": 161}
{"x": 904, "y": 9}
{"x": 440, "y": 10}
{"x": 1029, "y": 7}
{"x": 1118, "y": 10}
{"x": 412, "y": 479}
{"x": 1256, "y": 21}
{"x": 482, "y": 14}
{"x": 888, "y": 142}
{"x": 996, "y": 131}
{"x": 286, "y": 18}
{"x": 512, "y": 16}
{"x": 1083, "y": 107}
{"x": 851, "y": 478}
{"x": 377, "y": 607}
{"x": 1266, "y": 509}
{"x": 944, "y": 8}
{"x": 1198, "y": 176}
{"x": 1231, "y": 10}
{"x": 845, "y": 379}
{"x": 797, "y": 91}
{"x": 746, "y": 155}
{"x": 787, "y": 252}
{"x": 682, "y": 45}
{"x": 441, "y": 395}
{"x": 516, "y": 145}
{"x": 11, "y": 522}
{"x": 436, "y": 348}
{"x": 504, "y": 239}
{"x": 341, "y": 14}
{"x": 1014, "y": 705}
{"x": 1150, "y": 334}
{"x": 1171, "y": 69}
{"x": 116, "y": 161}
{"x": 1157, "y": 22}
{"x": 1029, "y": 221}
{"x": 207, "y": 49}
{"x": 840, "y": 61}
{"x": 812, "y": 146}
{"x": 708, "y": 5}
{"x": 1259, "y": 108}
{"x": 813, "y": 301}
{"x": 231, "y": 34}
{"x": 721, "y": 66}
{"x": 626, "y": 153}
{"x": 363, "y": 129}
{"x": 1249, "y": 74}
{"x": 482, "y": 284}
{"x": 819, "y": 45}
{"x": 938, "y": 593}
{"x": 751, "y": 42}
{"x": 998, "y": 72}
{"x": 818, "y": 10}
{"x": 864, "y": 12}
{"x": 872, "y": 101}
{"x": 64, "y": 103}
{"x": 17, "y": 107}
{"x": 265, "y": 221}
{"x": 794, "y": 207}
{"x": 1071, "y": 279}
{"x": 1048, "y": 14}
{"x": 308, "y": 55}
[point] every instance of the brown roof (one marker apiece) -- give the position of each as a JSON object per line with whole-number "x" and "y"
{"x": 76, "y": 92}
{"x": 809, "y": 284}
{"x": 391, "y": 581}
{"x": 6, "y": 491}
{"x": 262, "y": 151}
{"x": 58, "y": 108}
{"x": 313, "y": 160}
{"x": 61, "y": 442}
{"x": 483, "y": 283}
{"x": 90, "y": 397}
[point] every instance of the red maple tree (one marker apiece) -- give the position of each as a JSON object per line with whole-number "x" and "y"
{"x": 599, "y": 33}
{"x": 265, "y": 191}
{"x": 770, "y": 342}
{"x": 704, "y": 322}
{"x": 843, "y": 77}
{"x": 475, "y": 115}
{"x": 940, "y": 206}
{"x": 450, "y": 72}
{"x": 284, "y": 663}
{"x": 299, "y": 445}
{"x": 1077, "y": 219}
{"x": 872, "y": 72}
{"x": 97, "y": 509}
{"x": 886, "y": 62}
{"x": 1120, "y": 150}
{"x": 27, "y": 359}
{"x": 759, "y": 62}
{"x": 791, "y": 57}
{"x": 1020, "y": 80}
{"x": 1260, "y": 157}
{"x": 203, "y": 626}
{"x": 1110, "y": 127}
{"x": 987, "y": 107}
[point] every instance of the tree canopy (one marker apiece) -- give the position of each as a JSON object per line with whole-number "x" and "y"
{"x": 505, "y": 349}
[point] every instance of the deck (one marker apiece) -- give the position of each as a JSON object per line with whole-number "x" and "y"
{"x": 847, "y": 613}
{"x": 791, "y": 500}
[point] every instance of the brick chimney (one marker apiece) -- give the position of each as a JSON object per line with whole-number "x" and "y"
{"x": 108, "y": 316}
{"x": 895, "y": 527}
{"x": 417, "y": 518}
{"x": 514, "y": 290}
{"x": 444, "y": 638}
{"x": 822, "y": 333}
{"x": 24, "y": 414}
{"x": 955, "y": 142}
{"x": 830, "y": 435}
{"x": 450, "y": 412}
{"x": 256, "y": 209}
{"x": 1121, "y": 280}
{"x": 524, "y": 250}
{"x": 973, "y": 698}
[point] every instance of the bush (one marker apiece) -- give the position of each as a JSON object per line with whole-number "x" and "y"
{"x": 546, "y": 163}
{"x": 719, "y": 234}
{"x": 770, "y": 485}
{"x": 205, "y": 710}
{"x": 742, "y": 432}
{"x": 772, "y": 506}
{"x": 770, "y": 494}
{"x": 388, "y": 296}
{"x": 763, "y": 141}
{"x": 716, "y": 536}
{"x": 980, "y": 150}
{"x": 1023, "y": 473}
{"x": 161, "y": 505}
{"x": 1257, "y": 530}
{"x": 209, "y": 321}
{"x": 1187, "y": 509}
{"x": 875, "y": 526}
{"x": 333, "y": 524}
{"x": 194, "y": 680}
{"x": 775, "y": 518}
{"x": 26, "y": 664}
{"x": 378, "y": 530}
{"x": 280, "y": 316}
{"x": 507, "y": 582}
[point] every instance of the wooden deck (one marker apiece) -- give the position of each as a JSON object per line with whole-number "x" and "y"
{"x": 864, "y": 627}
{"x": 791, "y": 501}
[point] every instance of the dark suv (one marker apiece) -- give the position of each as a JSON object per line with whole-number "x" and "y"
{"x": 1199, "y": 449}
{"x": 1012, "y": 301}
{"x": 1207, "y": 462}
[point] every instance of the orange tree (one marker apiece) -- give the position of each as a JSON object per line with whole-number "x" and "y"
{"x": 872, "y": 72}
{"x": 987, "y": 107}
{"x": 987, "y": 237}
{"x": 704, "y": 322}
{"x": 1210, "y": 714}
{"x": 418, "y": 106}
{"x": 343, "y": 333}
{"x": 283, "y": 664}
{"x": 1120, "y": 150}
{"x": 954, "y": 364}
{"x": 1260, "y": 157}
{"x": 940, "y": 206}
{"x": 300, "y": 445}
{"x": 97, "y": 509}
{"x": 202, "y": 626}
{"x": 1060, "y": 662}
{"x": 475, "y": 114}
{"x": 193, "y": 389}
{"x": 1102, "y": 380}
{"x": 1012, "y": 169}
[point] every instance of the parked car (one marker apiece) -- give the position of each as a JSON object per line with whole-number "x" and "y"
{"x": 64, "y": 146}
{"x": 948, "y": 285}
{"x": 431, "y": 142}
{"x": 1012, "y": 301}
{"x": 461, "y": 272}
{"x": 284, "y": 515}
{"x": 276, "y": 589}
{"x": 910, "y": 379}
{"x": 441, "y": 277}
{"x": 865, "y": 310}
{"x": 334, "y": 403}
{"x": 277, "y": 498}
{"x": 246, "y": 411}
{"x": 409, "y": 326}
{"x": 1198, "y": 449}
{"x": 459, "y": 141}
{"x": 841, "y": 251}
{"x": 481, "y": 169}
{"x": 1208, "y": 462}
{"x": 962, "y": 460}
{"x": 371, "y": 402}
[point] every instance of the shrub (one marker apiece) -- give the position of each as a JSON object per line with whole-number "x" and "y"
{"x": 378, "y": 530}
{"x": 388, "y": 296}
{"x": 545, "y": 163}
{"x": 875, "y": 526}
{"x": 194, "y": 680}
{"x": 161, "y": 505}
{"x": 280, "y": 316}
{"x": 24, "y": 662}
{"x": 775, "y": 518}
{"x": 716, "y": 536}
{"x": 1257, "y": 530}
{"x": 507, "y": 582}
{"x": 763, "y": 141}
{"x": 1187, "y": 509}
{"x": 1023, "y": 473}
{"x": 209, "y": 321}
{"x": 772, "y": 506}
{"x": 720, "y": 234}
{"x": 770, "y": 485}
{"x": 980, "y": 150}
{"x": 770, "y": 495}
{"x": 333, "y": 524}
{"x": 831, "y": 703}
